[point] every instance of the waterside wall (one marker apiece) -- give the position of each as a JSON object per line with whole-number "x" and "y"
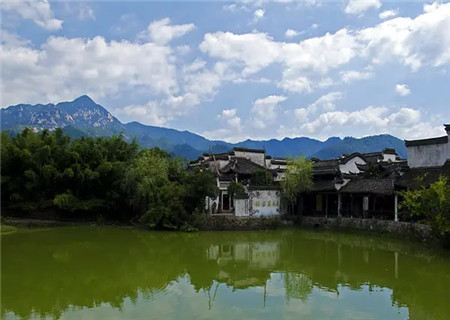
{"x": 230, "y": 222}
{"x": 405, "y": 230}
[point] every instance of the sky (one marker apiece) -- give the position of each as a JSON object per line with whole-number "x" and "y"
{"x": 237, "y": 70}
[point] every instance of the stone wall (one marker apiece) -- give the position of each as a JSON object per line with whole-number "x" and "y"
{"x": 399, "y": 229}
{"x": 230, "y": 222}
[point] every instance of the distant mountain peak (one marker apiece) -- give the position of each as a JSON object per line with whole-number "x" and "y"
{"x": 84, "y": 117}
{"x": 84, "y": 99}
{"x": 81, "y": 113}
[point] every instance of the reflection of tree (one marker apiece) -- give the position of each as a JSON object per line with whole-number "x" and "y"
{"x": 51, "y": 270}
{"x": 298, "y": 286}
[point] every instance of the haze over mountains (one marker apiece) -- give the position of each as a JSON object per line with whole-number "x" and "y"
{"x": 83, "y": 117}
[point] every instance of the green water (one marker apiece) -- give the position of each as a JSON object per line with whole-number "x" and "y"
{"x": 119, "y": 273}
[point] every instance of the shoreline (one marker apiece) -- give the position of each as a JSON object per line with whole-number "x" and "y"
{"x": 384, "y": 228}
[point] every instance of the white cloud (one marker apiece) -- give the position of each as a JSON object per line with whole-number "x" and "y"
{"x": 405, "y": 117}
{"x": 254, "y": 51}
{"x": 291, "y": 33}
{"x": 419, "y": 42}
{"x": 62, "y": 69}
{"x": 301, "y": 61}
{"x": 353, "y": 75}
{"x": 149, "y": 113}
{"x": 402, "y": 89}
{"x": 324, "y": 103}
{"x": 264, "y": 111}
{"x": 416, "y": 43}
{"x": 388, "y": 14}
{"x": 162, "y": 32}
{"x": 86, "y": 13}
{"x": 230, "y": 127}
{"x": 258, "y": 15}
{"x": 405, "y": 122}
{"x": 301, "y": 114}
{"x": 182, "y": 50}
{"x": 203, "y": 82}
{"x": 231, "y": 118}
{"x": 38, "y": 11}
{"x": 359, "y": 6}
{"x": 230, "y": 7}
{"x": 9, "y": 39}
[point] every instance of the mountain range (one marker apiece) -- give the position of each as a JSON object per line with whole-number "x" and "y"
{"x": 84, "y": 117}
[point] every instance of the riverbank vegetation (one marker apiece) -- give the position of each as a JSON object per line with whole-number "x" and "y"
{"x": 431, "y": 205}
{"x": 47, "y": 173}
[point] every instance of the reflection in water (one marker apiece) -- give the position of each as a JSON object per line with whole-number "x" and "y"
{"x": 88, "y": 272}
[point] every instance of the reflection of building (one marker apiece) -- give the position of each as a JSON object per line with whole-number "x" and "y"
{"x": 257, "y": 255}
{"x": 244, "y": 264}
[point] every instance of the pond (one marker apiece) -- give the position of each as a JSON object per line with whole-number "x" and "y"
{"x": 121, "y": 273}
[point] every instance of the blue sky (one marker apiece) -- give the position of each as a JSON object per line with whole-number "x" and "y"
{"x": 237, "y": 70}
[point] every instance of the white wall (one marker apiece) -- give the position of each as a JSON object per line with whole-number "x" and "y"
{"x": 428, "y": 155}
{"x": 350, "y": 166}
{"x": 241, "y": 207}
{"x": 389, "y": 157}
{"x": 264, "y": 203}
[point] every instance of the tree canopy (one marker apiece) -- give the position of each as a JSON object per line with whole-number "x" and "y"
{"x": 431, "y": 204}
{"x": 87, "y": 177}
{"x": 298, "y": 178}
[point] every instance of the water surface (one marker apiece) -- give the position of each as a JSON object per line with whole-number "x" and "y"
{"x": 119, "y": 273}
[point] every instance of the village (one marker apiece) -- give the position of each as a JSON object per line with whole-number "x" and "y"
{"x": 359, "y": 185}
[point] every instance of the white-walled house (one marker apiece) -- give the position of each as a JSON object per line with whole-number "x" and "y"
{"x": 239, "y": 165}
{"x": 429, "y": 152}
{"x": 428, "y": 159}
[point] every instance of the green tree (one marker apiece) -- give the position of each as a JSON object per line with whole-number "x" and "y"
{"x": 144, "y": 177}
{"x": 235, "y": 188}
{"x": 431, "y": 204}
{"x": 262, "y": 177}
{"x": 47, "y": 171}
{"x": 199, "y": 185}
{"x": 297, "y": 179}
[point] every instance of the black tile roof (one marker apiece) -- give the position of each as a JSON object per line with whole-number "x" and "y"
{"x": 249, "y": 150}
{"x": 325, "y": 171}
{"x": 373, "y": 186}
{"x": 241, "y": 165}
{"x": 429, "y": 174}
{"x": 323, "y": 185}
{"x": 423, "y": 142}
{"x": 389, "y": 151}
{"x": 279, "y": 161}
